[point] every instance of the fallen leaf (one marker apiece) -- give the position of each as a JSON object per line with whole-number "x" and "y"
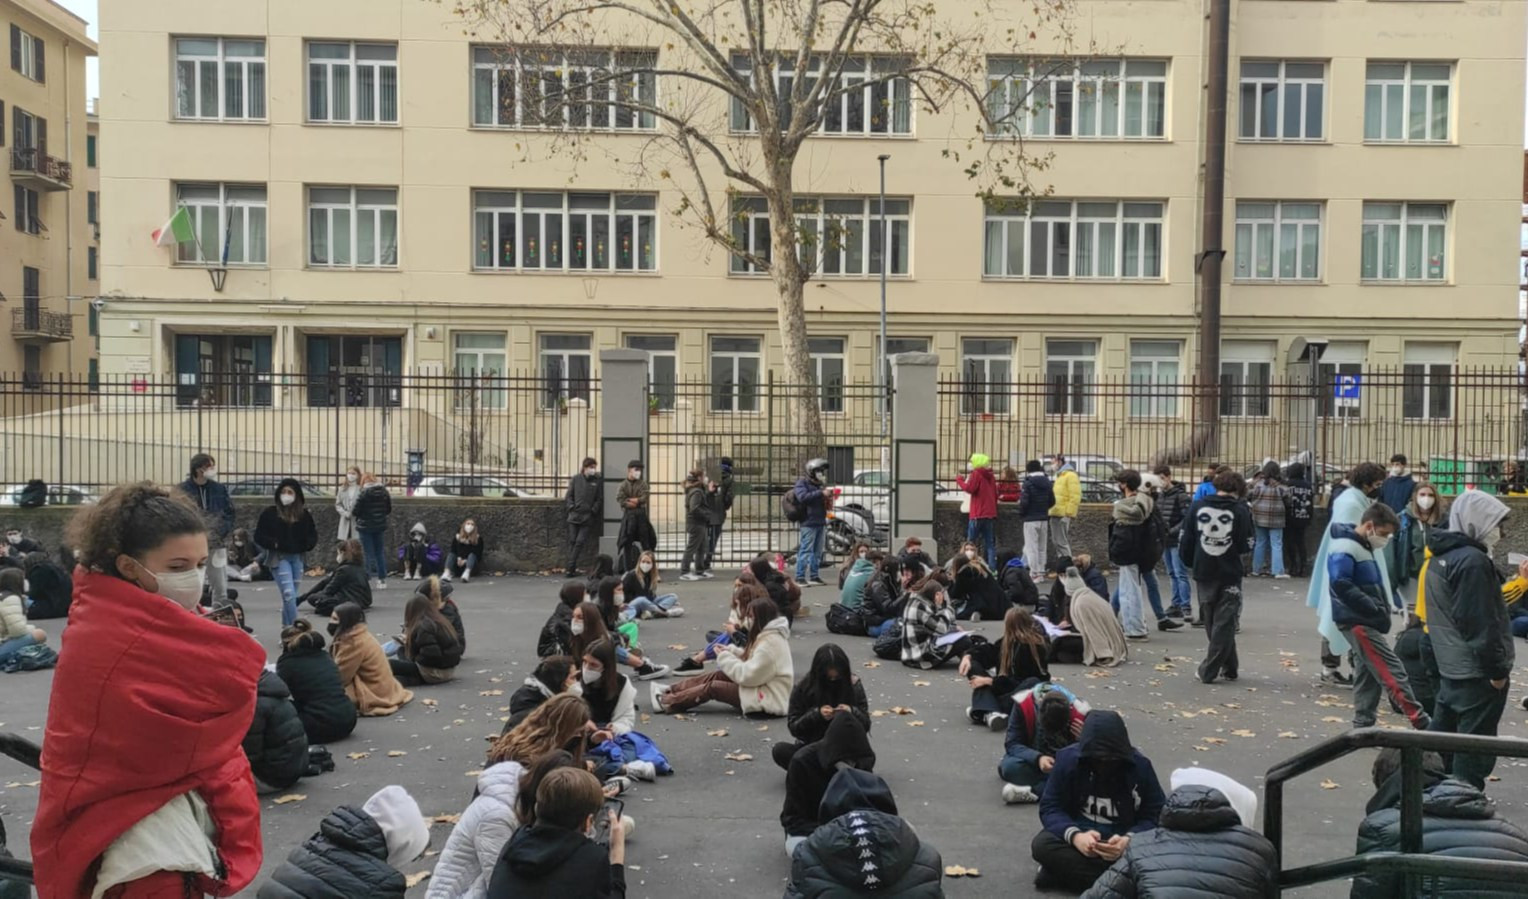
{"x": 920, "y": 683}
{"x": 357, "y": 756}
{"x": 763, "y": 727}
{"x": 879, "y": 713}
{"x": 1288, "y": 735}
{"x": 1231, "y": 705}
{"x": 738, "y": 757}
{"x": 1242, "y": 732}
{"x": 900, "y": 710}
{"x": 1287, "y": 655}
{"x": 678, "y": 647}
{"x": 395, "y": 753}
{"x": 915, "y": 724}
{"x": 1097, "y": 673}
{"x": 722, "y": 732}
{"x": 290, "y": 797}
{"x": 1165, "y": 667}
{"x": 1218, "y": 741}
{"x": 415, "y": 879}
{"x": 1330, "y": 784}
{"x": 961, "y": 871}
{"x": 1493, "y": 778}
{"x": 432, "y": 703}
{"x": 872, "y": 664}
{"x": 473, "y": 773}
{"x": 1188, "y": 714}
{"x": 1332, "y": 719}
{"x": 1202, "y": 748}
{"x": 1208, "y": 712}
{"x": 445, "y": 819}
{"x": 1289, "y": 663}
{"x": 490, "y": 692}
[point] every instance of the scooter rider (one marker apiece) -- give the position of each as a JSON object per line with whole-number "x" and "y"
{"x": 814, "y": 501}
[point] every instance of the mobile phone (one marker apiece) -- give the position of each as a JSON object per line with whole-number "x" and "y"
{"x": 602, "y": 820}
{"x": 390, "y": 647}
{"x": 1516, "y": 558}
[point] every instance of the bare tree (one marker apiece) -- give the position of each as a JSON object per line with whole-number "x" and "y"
{"x": 725, "y": 93}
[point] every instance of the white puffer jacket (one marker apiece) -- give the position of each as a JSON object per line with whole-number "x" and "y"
{"x": 765, "y": 678}
{"x": 466, "y": 863}
{"x": 13, "y": 618}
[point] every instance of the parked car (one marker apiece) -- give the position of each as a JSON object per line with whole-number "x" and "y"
{"x": 871, "y": 488}
{"x": 468, "y": 486}
{"x": 265, "y": 487}
{"x": 58, "y": 495}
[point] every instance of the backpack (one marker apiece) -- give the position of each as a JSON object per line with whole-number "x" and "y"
{"x": 889, "y": 644}
{"x": 791, "y": 506}
{"x": 1153, "y": 539}
{"x": 34, "y": 495}
{"x": 843, "y": 620}
{"x": 32, "y": 658}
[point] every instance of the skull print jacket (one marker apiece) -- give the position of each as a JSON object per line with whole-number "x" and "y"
{"x": 1216, "y": 531}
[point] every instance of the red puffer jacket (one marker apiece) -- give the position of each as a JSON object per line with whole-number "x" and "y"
{"x": 135, "y": 721}
{"x": 983, "y": 489}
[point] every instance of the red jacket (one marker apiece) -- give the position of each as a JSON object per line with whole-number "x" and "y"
{"x": 1007, "y": 491}
{"x": 983, "y": 489}
{"x": 149, "y": 701}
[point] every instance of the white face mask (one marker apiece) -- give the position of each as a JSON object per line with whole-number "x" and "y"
{"x": 350, "y": 477}
{"x": 468, "y": 528}
{"x": 288, "y": 498}
{"x": 592, "y": 675}
{"x": 210, "y": 474}
{"x": 1425, "y": 502}
{"x": 576, "y": 627}
{"x": 971, "y": 554}
{"x": 1395, "y": 471}
{"x": 1491, "y": 539}
{"x": 576, "y": 690}
{"x": 184, "y": 588}
{"x": 14, "y": 538}
{"x": 339, "y": 560}
{"x": 863, "y": 554}
{"x": 645, "y": 566}
{"x": 26, "y": 587}
{"x": 1378, "y": 542}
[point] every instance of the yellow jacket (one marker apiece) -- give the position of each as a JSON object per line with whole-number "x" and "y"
{"x": 1512, "y": 591}
{"x": 1068, "y": 492}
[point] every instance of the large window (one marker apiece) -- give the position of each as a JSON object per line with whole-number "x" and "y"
{"x": 223, "y": 369}
{"x": 837, "y": 237}
{"x": 567, "y": 365}
{"x": 1104, "y": 99}
{"x": 986, "y": 368}
{"x": 224, "y": 216}
{"x": 735, "y": 366}
{"x": 90, "y": 150}
{"x": 481, "y": 357}
{"x": 1428, "y": 374}
{"x": 352, "y": 83}
{"x": 1405, "y": 242}
{"x": 1246, "y": 375}
{"x": 92, "y": 207}
{"x": 1283, "y": 100}
{"x": 591, "y": 89}
{"x": 1154, "y": 373}
{"x": 355, "y": 370}
{"x": 1278, "y": 241}
{"x": 874, "y": 99}
{"x": 28, "y": 55}
{"x": 219, "y": 79}
{"x": 828, "y": 370}
{"x": 1341, "y": 359}
{"x": 662, "y": 366}
{"x": 28, "y": 208}
{"x": 1082, "y": 239}
{"x": 92, "y": 263}
{"x": 1407, "y": 102}
{"x": 28, "y": 132}
{"x": 352, "y": 227}
{"x": 576, "y": 232}
{"x": 1069, "y": 369}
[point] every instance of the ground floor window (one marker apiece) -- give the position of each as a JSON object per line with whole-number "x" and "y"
{"x": 354, "y": 370}
{"x": 222, "y": 369}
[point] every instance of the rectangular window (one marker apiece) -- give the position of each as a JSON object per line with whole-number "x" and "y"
{"x": 28, "y": 202}
{"x": 870, "y": 98}
{"x": 92, "y": 263}
{"x": 1428, "y": 377}
{"x": 735, "y": 366}
{"x": 355, "y": 370}
{"x": 1278, "y": 241}
{"x": 28, "y": 132}
{"x": 828, "y": 370}
{"x": 567, "y": 364}
{"x": 597, "y": 90}
{"x": 986, "y": 368}
{"x": 229, "y": 221}
{"x": 1154, "y": 376}
{"x": 1405, "y": 242}
{"x": 1407, "y": 102}
{"x": 223, "y": 369}
{"x": 1074, "y": 239}
{"x": 839, "y": 237}
{"x": 28, "y": 55}
{"x": 573, "y": 232}
{"x": 31, "y": 367}
{"x": 482, "y": 358}
{"x": 662, "y": 367}
{"x": 352, "y": 227}
{"x": 90, "y": 150}
{"x": 352, "y": 83}
{"x": 1067, "y": 99}
{"x": 92, "y": 320}
{"x": 92, "y": 213}
{"x": 1069, "y": 369}
{"x": 1283, "y": 100}
{"x": 1246, "y": 375}
{"x": 1342, "y": 358}
{"x": 220, "y": 79}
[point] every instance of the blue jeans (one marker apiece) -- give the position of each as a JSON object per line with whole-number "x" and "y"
{"x": 1153, "y": 594}
{"x": 15, "y": 645}
{"x": 467, "y": 564}
{"x": 1023, "y": 772}
{"x": 286, "y": 568}
{"x": 1520, "y": 626}
{"x": 1182, "y": 591}
{"x": 376, "y": 553}
{"x": 1131, "y": 587}
{"x": 876, "y": 630}
{"x": 982, "y": 529}
{"x": 637, "y": 607}
{"x": 809, "y": 553}
{"x": 1267, "y": 537}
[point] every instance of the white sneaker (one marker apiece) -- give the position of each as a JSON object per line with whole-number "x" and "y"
{"x": 381, "y": 585}
{"x": 628, "y": 824}
{"x": 968, "y": 714}
{"x": 467, "y": 576}
{"x": 1013, "y": 794}
{"x": 997, "y": 721}
{"x": 655, "y": 697}
{"x": 675, "y": 612}
{"x": 976, "y": 617}
{"x": 445, "y": 577}
{"x": 690, "y": 576}
{"x": 708, "y": 574}
{"x": 642, "y": 771}
{"x": 621, "y": 782}
{"x": 1281, "y": 577}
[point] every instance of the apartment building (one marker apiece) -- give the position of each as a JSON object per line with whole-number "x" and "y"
{"x": 46, "y": 272}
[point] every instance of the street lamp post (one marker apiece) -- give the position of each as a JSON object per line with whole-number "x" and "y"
{"x": 883, "y": 378}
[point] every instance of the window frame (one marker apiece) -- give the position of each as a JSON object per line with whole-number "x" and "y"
{"x": 354, "y": 209}
{"x": 491, "y": 397}
{"x": 1147, "y": 399}
{"x": 1282, "y": 83}
{"x": 639, "y": 214}
{"x": 977, "y": 376}
{"x": 831, "y": 395}
{"x": 1016, "y": 103}
{"x": 1428, "y": 386}
{"x": 857, "y": 68}
{"x": 191, "y": 254}
{"x": 1045, "y": 214}
{"x": 732, "y": 400}
{"x": 28, "y": 210}
{"x": 30, "y": 58}
{"x": 1081, "y": 374}
{"x": 665, "y": 398}
{"x": 222, "y": 63}
{"x": 563, "y": 387}
{"x": 353, "y": 64}
{"x": 92, "y": 143}
{"x": 751, "y": 232}
{"x": 1277, "y": 225}
{"x": 92, "y": 263}
{"x": 1235, "y": 398}
{"x": 641, "y": 87}
{"x": 1408, "y": 84}
{"x": 1399, "y": 229}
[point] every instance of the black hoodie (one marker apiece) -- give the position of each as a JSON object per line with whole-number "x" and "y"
{"x": 276, "y": 533}
{"x": 1216, "y": 531}
{"x": 1101, "y": 783}
{"x": 864, "y": 848}
{"x": 546, "y": 860}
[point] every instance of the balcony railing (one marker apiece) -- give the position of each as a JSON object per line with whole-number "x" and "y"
{"x": 33, "y": 324}
{"x": 47, "y": 172}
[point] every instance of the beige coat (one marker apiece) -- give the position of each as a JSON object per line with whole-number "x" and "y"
{"x": 765, "y": 678}
{"x": 367, "y": 677}
{"x": 13, "y": 618}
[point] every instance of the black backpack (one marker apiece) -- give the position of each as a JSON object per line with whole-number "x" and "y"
{"x": 34, "y": 495}
{"x": 1153, "y": 539}
{"x": 889, "y": 644}
{"x": 843, "y": 620}
{"x": 791, "y": 506}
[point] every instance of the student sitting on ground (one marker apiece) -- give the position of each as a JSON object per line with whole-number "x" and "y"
{"x": 1458, "y": 821}
{"x": 756, "y": 681}
{"x": 346, "y": 583}
{"x": 15, "y": 633}
{"x": 745, "y": 589}
{"x": 926, "y": 618}
{"x": 553, "y": 857}
{"x": 603, "y": 567}
{"x": 439, "y": 594}
{"x": 588, "y": 627}
{"x": 17, "y": 547}
{"x": 357, "y": 852}
{"x": 310, "y": 674}
{"x": 1046, "y": 719}
{"x": 997, "y": 671}
{"x": 863, "y": 848}
{"x": 556, "y": 638}
{"x": 363, "y": 666}
{"x": 1102, "y": 792}
{"x": 913, "y": 555}
{"x": 246, "y": 561}
{"x": 827, "y": 690}
{"x": 1017, "y": 580}
{"x": 1058, "y": 607}
{"x": 420, "y": 556}
{"x": 860, "y": 551}
{"x": 780, "y": 586}
{"x": 50, "y": 589}
{"x": 643, "y": 598}
{"x": 843, "y": 744}
{"x": 611, "y": 696}
{"x": 554, "y": 675}
{"x": 276, "y": 743}
{"x": 885, "y": 596}
{"x": 1103, "y": 640}
{"x": 429, "y": 650}
{"x": 976, "y": 594}
{"x": 466, "y": 552}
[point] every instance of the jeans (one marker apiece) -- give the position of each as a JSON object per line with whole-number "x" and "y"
{"x": 875, "y": 630}
{"x": 1035, "y": 535}
{"x": 1022, "y": 772}
{"x": 11, "y": 647}
{"x": 217, "y": 576}
{"x": 1376, "y": 669}
{"x": 1153, "y": 595}
{"x": 578, "y": 538}
{"x": 1266, "y": 538}
{"x": 1061, "y": 537}
{"x": 1296, "y": 548}
{"x": 641, "y": 605}
{"x": 1132, "y": 591}
{"x": 809, "y": 553}
{"x": 715, "y": 686}
{"x": 1182, "y": 592}
{"x": 286, "y": 568}
{"x": 1469, "y": 707}
{"x": 373, "y": 543}
{"x": 1220, "y": 606}
{"x": 982, "y": 529}
{"x": 467, "y": 564}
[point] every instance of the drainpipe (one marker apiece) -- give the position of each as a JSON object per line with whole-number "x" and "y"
{"x": 1213, "y": 252}
{"x": 69, "y": 212}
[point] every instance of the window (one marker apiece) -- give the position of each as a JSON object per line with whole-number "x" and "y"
{"x": 92, "y": 320}
{"x": 576, "y": 232}
{"x": 986, "y": 374}
{"x": 1069, "y": 367}
{"x": 355, "y": 370}
{"x": 874, "y": 99}
{"x": 1081, "y": 239}
{"x": 219, "y": 79}
{"x": 229, "y": 217}
{"x": 1405, "y": 242}
{"x": 1105, "y": 99}
{"x": 828, "y": 370}
{"x": 93, "y": 374}
{"x": 1407, "y": 102}
{"x": 1278, "y": 241}
{"x": 735, "y": 365}
{"x": 1428, "y": 376}
{"x": 352, "y": 227}
{"x": 31, "y": 367}
{"x": 481, "y": 357}
{"x": 662, "y": 367}
{"x": 28, "y": 201}
{"x": 28, "y": 55}
{"x": 566, "y": 363}
{"x": 1341, "y": 359}
{"x": 580, "y": 89}
{"x": 28, "y": 132}
{"x": 352, "y": 83}
{"x": 1154, "y": 372}
{"x": 837, "y": 237}
{"x": 92, "y": 211}
{"x": 90, "y": 150}
{"x": 222, "y": 369}
{"x": 92, "y": 263}
{"x": 1282, "y": 100}
{"x": 1246, "y": 374}
{"x": 31, "y": 298}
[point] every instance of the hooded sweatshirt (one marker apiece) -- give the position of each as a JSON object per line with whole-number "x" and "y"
{"x": 546, "y": 860}
{"x": 1396, "y": 490}
{"x": 983, "y": 489}
{"x": 274, "y": 532}
{"x": 1101, "y": 783}
{"x": 863, "y": 848}
{"x": 1466, "y": 619}
{"x": 1130, "y": 542}
{"x": 1217, "y": 530}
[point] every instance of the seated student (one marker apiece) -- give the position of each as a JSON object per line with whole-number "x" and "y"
{"x": 862, "y": 848}
{"x": 844, "y": 744}
{"x": 466, "y": 552}
{"x": 744, "y": 591}
{"x": 756, "y": 681}
{"x": 643, "y": 598}
{"x": 588, "y": 627}
{"x": 246, "y": 561}
{"x": 858, "y": 568}
{"x": 420, "y": 557}
{"x": 611, "y": 696}
{"x": 1103, "y": 640}
{"x": 439, "y": 594}
{"x": 1058, "y": 610}
{"x": 554, "y": 857}
{"x": 17, "y": 547}
{"x": 975, "y": 593}
{"x": 1102, "y": 791}
{"x": 357, "y": 852}
{"x": 885, "y": 596}
{"x": 1046, "y": 719}
{"x": 1458, "y": 821}
{"x": 346, "y": 583}
{"x": 276, "y": 743}
{"x": 912, "y": 554}
{"x": 604, "y": 566}
{"x": 1230, "y": 860}
{"x": 1408, "y": 648}
{"x": 50, "y": 589}
{"x": 556, "y": 639}
{"x": 781, "y": 587}
{"x": 310, "y": 674}
{"x": 996, "y": 671}
{"x": 858, "y": 551}
{"x": 429, "y": 650}
{"x": 15, "y": 633}
{"x": 362, "y": 664}
{"x": 925, "y": 619}
{"x": 828, "y": 689}
{"x": 1017, "y": 581}
{"x": 553, "y": 675}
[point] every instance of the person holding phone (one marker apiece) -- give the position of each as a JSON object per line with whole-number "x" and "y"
{"x": 556, "y": 856}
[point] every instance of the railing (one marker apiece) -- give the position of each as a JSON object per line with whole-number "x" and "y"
{"x": 30, "y": 321}
{"x": 31, "y": 160}
{"x": 1410, "y": 862}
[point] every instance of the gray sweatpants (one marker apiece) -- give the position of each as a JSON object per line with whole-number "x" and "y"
{"x": 1035, "y": 533}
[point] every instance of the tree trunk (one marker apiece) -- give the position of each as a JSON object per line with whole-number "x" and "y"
{"x": 790, "y": 278}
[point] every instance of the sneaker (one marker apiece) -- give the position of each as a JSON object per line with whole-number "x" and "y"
{"x": 690, "y": 576}
{"x": 970, "y": 717}
{"x": 649, "y": 671}
{"x": 816, "y": 582}
{"x": 467, "y": 576}
{"x": 655, "y": 697}
{"x": 622, "y": 784}
{"x": 997, "y": 721}
{"x": 1197, "y": 622}
{"x": 1335, "y": 678}
{"x": 1229, "y": 675}
{"x": 690, "y": 664}
{"x": 381, "y": 585}
{"x": 629, "y": 825}
{"x": 976, "y": 617}
{"x": 1175, "y": 613}
{"x": 1141, "y": 638}
{"x": 1281, "y": 577}
{"x": 1013, "y": 794}
{"x": 642, "y": 771}
{"x": 445, "y": 577}
{"x": 1168, "y": 624}
{"x": 708, "y": 574}
{"x": 674, "y": 612}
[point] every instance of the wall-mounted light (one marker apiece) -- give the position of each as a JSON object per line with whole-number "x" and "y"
{"x": 133, "y": 326}
{"x": 429, "y": 333}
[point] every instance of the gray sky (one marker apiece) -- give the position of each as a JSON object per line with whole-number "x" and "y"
{"x": 86, "y": 9}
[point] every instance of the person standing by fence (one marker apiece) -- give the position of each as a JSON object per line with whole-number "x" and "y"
{"x": 982, "y": 524}
{"x": 1301, "y": 509}
{"x": 1067, "y": 490}
{"x": 585, "y": 502}
{"x": 813, "y": 501}
{"x": 1267, "y": 497}
{"x": 344, "y": 504}
{"x": 637, "y": 535}
{"x": 1173, "y": 504}
{"x": 287, "y": 533}
{"x": 721, "y": 505}
{"x": 1035, "y": 504}
{"x": 372, "y": 507}
{"x": 217, "y": 507}
{"x": 697, "y": 523}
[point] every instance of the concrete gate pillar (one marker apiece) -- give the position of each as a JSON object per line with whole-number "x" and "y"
{"x": 623, "y": 429}
{"x": 914, "y": 448}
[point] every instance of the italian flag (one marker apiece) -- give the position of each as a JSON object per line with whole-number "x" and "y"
{"x": 177, "y": 230}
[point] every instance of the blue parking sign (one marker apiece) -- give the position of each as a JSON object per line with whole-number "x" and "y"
{"x": 1345, "y": 387}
